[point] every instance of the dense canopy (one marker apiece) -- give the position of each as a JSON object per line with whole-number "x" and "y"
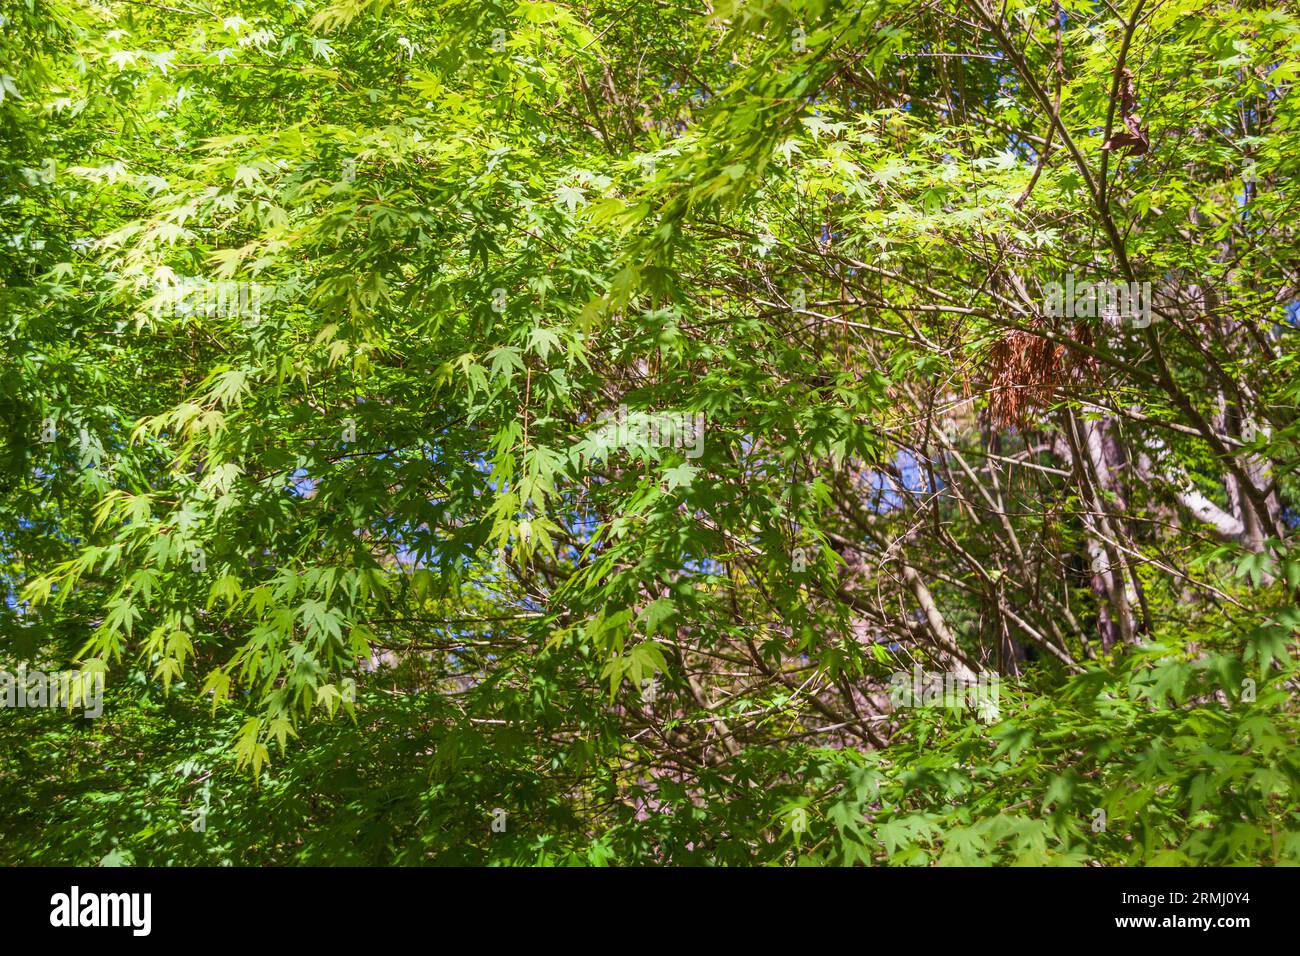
{"x": 651, "y": 432}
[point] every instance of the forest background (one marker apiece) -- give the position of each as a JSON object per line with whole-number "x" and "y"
{"x": 650, "y": 432}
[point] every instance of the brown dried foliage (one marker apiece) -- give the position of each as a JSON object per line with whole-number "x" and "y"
{"x": 1025, "y": 369}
